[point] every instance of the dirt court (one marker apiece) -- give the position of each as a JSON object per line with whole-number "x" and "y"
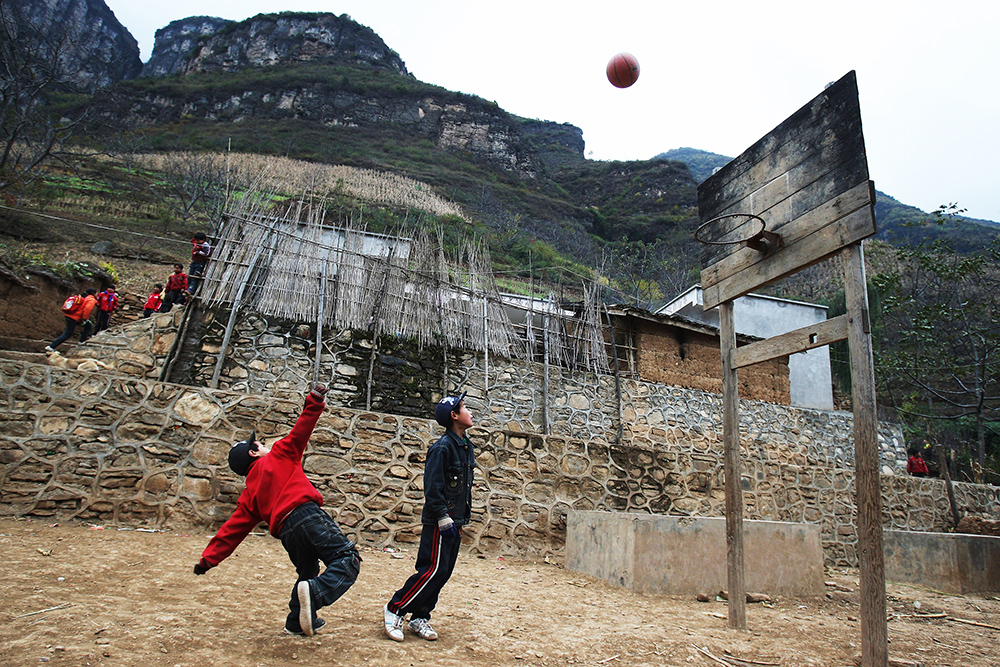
{"x": 77, "y": 594}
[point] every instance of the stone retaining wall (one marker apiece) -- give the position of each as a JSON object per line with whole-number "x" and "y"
{"x": 112, "y": 449}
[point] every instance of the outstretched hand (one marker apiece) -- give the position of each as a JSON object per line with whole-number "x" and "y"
{"x": 319, "y": 392}
{"x": 202, "y": 567}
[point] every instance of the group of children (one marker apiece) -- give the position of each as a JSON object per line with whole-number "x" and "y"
{"x": 279, "y": 494}
{"x": 93, "y": 311}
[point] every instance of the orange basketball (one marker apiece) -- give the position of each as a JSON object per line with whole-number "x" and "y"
{"x": 623, "y": 70}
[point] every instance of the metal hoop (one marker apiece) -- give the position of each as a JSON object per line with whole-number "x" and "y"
{"x": 749, "y": 239}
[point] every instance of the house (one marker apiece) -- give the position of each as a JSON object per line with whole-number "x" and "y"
{"x": 811, "y": 384}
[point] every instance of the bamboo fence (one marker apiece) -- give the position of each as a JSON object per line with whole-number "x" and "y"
{"x": 299, "y": 268}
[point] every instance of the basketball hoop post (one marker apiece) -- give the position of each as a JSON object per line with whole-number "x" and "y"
{"x": 808, "y": 178}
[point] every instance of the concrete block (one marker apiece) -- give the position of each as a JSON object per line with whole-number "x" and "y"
{"x": 658, "y": 554}
{"x": 949, "y": 562}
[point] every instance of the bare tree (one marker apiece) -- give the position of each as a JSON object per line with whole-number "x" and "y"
{"x": 32, "y": 78}
{"x": 195, "y": 183}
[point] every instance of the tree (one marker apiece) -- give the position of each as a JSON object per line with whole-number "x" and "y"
{"x": 33, "y": 80}
{"x": 939, "y": 353}
{"x": 195, "y": 183}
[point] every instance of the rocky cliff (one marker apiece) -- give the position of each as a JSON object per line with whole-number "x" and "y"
{"x": 206, "y": 44}
{"x": 93, "y": 48}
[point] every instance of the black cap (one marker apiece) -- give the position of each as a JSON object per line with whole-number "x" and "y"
{"x": 239, "y": 455}
{"x": 444, "y": 408}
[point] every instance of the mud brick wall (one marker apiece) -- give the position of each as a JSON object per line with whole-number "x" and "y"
{"x": 120, "y": 450}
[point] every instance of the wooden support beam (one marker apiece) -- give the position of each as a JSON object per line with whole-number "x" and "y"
{"x": 800, "y": 340}
{"x": 874, "y": 636}
{"x": 734, "y": 490}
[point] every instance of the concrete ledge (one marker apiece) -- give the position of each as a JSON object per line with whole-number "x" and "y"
{"x": 949, "y": 562}
{"x": 651, "y": 553}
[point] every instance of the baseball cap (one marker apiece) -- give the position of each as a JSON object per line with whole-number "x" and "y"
{"x": 444, "y": 408}
{"x": 239, "y": 454}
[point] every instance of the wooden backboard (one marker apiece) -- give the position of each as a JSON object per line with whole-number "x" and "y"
{"x": 807, "y": 179}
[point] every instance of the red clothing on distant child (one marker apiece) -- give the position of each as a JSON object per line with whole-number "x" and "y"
{"x": 177, "y": 282}
{"x": 153, "y": 302}
{"x": 107, "y": 301}
{"x": 916, "y": 466}
{"x": 276, "y": 485}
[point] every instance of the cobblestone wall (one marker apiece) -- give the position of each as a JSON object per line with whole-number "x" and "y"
{"x": 110, "y": 449}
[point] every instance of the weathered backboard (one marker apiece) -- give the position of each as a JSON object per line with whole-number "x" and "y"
{"x": 807, "y": 179}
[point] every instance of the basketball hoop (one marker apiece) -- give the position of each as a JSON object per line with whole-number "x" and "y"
{"x": 761, "y": 240}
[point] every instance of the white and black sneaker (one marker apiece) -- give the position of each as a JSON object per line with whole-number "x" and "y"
{"x": 305, "y": 608}
{"x": 422, "y": 628}
{"x": 393, "y": 625}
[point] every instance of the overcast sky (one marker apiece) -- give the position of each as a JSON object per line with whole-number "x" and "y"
{"x": 713, "y": 75}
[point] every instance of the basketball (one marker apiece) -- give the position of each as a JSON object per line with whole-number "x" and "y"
{"x": 623, "y": 70}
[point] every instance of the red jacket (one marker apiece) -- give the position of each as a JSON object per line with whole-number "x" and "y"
{"x": 916, "y": 465}
{"x": 177, "y": 281}
{"x": 276, "y": 485}
{"x": 107, "y": 301}
{"x": 153, "y": 302}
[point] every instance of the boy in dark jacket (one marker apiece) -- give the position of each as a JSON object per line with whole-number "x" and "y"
{"x": 279, "y": 493}
{"x": 448, "y": 474}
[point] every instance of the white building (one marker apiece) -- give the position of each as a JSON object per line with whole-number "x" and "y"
{"x": 811, "y": 384}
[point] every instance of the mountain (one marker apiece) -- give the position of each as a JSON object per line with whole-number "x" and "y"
{"x": 89, "y": 42}
{"x": 323, "y": 88}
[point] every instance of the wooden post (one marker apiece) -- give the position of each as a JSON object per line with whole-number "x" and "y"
{"x": 734, "y": 490}
{"x": 545, "y": 367}
{"x": 874, "y": 636}
{"x": 214, "y": 384}
{"x": 319, "y": 322}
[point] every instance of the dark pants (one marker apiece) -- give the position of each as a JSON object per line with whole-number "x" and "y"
{"x": 174, "y": 297}
{"x": 103, "y": 320}
{"x": 88, "y": 331}
{"x": 70, "y": 328}
{"x": 436, "y": 558}
{"x": 194, "y": 275}
{"x": 309, "y": 535}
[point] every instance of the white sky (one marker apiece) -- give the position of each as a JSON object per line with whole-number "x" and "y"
{"x": 713, "y": 75}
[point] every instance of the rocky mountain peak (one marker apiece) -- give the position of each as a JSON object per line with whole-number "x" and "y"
{"x": 207, "y": 44}
{"x": 93, "y": 48}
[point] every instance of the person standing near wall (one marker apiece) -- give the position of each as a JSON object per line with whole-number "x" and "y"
{"x": 201, "y": 250}
{"x": 76, "y": 309}
{"x": 448, "y": 475}
{"x": 177, "y": 284}
{"x": 915, "y": 465}
{"x": 107, "y": 302}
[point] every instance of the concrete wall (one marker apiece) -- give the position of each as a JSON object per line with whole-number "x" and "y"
{"x": 946, "y": 562}
{"x": 687, "y": 556}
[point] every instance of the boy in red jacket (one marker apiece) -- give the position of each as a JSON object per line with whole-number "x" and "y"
{"x": 279, "y": 493}
{"x": 107, "y": 302}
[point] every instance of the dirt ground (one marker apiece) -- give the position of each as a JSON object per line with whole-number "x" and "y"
{"x": 77, "y": 594}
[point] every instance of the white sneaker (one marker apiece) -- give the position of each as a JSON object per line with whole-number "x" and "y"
{"x": 49, "y": 349}
{"x": 305, "y": 608}
{"x": 393, "y": 625}
{"x": 422, "y": 627}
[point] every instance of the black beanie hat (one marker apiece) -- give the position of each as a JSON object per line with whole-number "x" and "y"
{"x": 239, "y": 455}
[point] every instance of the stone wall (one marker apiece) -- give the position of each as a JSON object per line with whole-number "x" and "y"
{"x": 111, "y": 449}
{"x": 276, "y": 358}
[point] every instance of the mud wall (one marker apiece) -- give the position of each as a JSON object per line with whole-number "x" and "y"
{"x": 121, "y": 450}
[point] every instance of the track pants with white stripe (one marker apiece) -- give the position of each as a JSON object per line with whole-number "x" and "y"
{"x": 436, "y": 558}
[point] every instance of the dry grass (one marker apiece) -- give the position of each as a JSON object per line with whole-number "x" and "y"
{"x": 296, "y": 177}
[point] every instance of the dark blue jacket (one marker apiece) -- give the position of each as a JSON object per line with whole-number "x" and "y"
{"x": 448, "y": 475}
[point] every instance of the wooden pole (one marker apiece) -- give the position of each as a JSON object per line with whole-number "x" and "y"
{"x": 319, "y": 322}
{"x": 734, "y": 491}
{"x": 874, "y": 636}
{"x": 545, "y": 367}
